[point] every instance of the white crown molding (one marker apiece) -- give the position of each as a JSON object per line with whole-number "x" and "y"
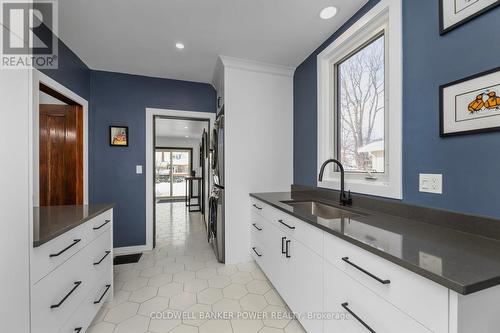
{"x": 256, "y": 66}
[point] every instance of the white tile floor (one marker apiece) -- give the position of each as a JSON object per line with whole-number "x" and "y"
{"x": 181, "y": 277}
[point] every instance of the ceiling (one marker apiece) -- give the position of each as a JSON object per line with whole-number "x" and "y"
{"x": 138, "y": 37}
{"x": 176, "y": 128}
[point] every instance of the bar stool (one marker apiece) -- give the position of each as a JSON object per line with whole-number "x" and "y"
{"x": 190, "y": 196}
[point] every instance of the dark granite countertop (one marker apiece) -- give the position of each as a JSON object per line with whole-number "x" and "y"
{"x": 53, "y": 221}
{"x": 461, "y": 261}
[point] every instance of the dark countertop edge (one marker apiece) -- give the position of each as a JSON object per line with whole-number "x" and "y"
{"x": 105, "y": 208}
{"x": 450, "y": 284}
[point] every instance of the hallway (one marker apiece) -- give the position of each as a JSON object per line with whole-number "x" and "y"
{"x": 180, "y": 287}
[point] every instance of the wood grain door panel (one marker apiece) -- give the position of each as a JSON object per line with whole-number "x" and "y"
{"x": 61, "y": 155}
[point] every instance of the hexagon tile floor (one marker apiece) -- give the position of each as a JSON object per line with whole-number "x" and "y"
{"x": 178, "y": 285}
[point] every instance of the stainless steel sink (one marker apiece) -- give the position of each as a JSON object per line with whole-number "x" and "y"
{"x": 320, "y": 210}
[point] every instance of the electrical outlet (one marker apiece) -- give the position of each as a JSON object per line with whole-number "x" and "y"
{"x": 431, "y": 183}
{"x": 138, "y": 169}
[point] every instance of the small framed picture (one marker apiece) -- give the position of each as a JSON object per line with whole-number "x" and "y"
{"x": 118, "y": 136}
{"x": 471, "y": 105}
{"x": 454, "y": 13}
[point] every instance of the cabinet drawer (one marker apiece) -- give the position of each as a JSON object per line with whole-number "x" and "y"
{"x": 257, "y": 206}
{"x": 56, "y": 296}
{"x": 100, "y": 224}
{"x": 342, "y": 293}
{"x": 258, "y": 227}
{"x": 306, "y": 234}
{"x": 419, "y": 297}
{"x": 50, "y": 255}
{"x": 101, "y": 255}
{"x": 87, "y": 310}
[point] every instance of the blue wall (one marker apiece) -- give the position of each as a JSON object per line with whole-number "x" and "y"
{"x": 121, "y": 99}
{"x": 71, "y": 72}
{"x": 470, "y": 164}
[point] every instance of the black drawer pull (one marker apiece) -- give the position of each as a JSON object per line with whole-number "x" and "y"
{"x": 102, "y": 225}
{"x": 107, "y": 253}
{"x": 75, "y": 241}
{"x": 257, "y": 253}
{"x": 256, "y": 227}
{"x": 287, "y": 248}
{"x": 346, "y": 259}
{"x": 78, "y": 329}
{"x": 286, "y": 225}
{"x": 259, "y": 208}
{"x": 103, "y": 294}
{"x": 346, "y": 306}
{"x": 283, "y": 245}
{"x": 77, "y": 284}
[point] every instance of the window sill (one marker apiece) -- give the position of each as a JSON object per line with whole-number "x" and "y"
{"x": 369, "y": 187}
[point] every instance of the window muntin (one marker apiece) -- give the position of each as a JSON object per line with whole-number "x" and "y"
{"x": 360, "y": 110}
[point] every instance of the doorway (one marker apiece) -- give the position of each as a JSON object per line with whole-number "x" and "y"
{"x": 172, "y": 166}
{"x": 181, "y": 177}
{"x": 60, "y": 149}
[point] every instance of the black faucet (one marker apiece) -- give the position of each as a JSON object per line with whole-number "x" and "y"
{"x": 345, "y": 200}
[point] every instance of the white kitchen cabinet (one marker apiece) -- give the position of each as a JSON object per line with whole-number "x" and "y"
{"x": 369, "y": 312}
{"x": 293, "y": 268}
{"x": 304, "y": 283}
{"x": 69, "y": 287}
{"x": 421, "y": 298}
{"x": 386, "y": 297}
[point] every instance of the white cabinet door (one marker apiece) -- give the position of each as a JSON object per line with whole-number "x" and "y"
{"x": 368, "y": 311}
{"x": 304, "y": 284}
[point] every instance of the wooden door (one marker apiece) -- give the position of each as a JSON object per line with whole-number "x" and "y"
{"x": 61, "y": 155}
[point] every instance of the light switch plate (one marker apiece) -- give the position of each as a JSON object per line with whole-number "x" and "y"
{"x": 138, "y": 169}
{"x": 431, "y": 183}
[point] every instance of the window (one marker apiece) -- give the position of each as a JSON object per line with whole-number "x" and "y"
{"x": 360, "y": 104}
{"x": 360, "y": 109}
{"x": 171, "y": 168}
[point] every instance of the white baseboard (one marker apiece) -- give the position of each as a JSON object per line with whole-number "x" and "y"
{"x": 117, "y": 251}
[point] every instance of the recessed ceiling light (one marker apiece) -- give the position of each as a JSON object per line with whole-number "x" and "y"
{"x": 185, "y": 127}
{"x": 328, "y": 12}
{"x": 187, "y": 136}
{"x": 179, "y": 45}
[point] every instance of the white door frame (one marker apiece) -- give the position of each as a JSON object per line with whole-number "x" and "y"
{"x": 150, "y": 114}
{"x": 39, "y": 77}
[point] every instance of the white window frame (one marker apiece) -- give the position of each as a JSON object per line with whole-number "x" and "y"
{"x": 385, "y": 16}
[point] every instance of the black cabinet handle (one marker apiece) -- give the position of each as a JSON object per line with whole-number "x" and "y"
{"x": 102, "y": 225}
{"x": 283, "y": 245}
{"x": 78, "y": 329}
{"x": 346, "y": 259}
{"x": 257, "y": 253}
{"x": 75, "y": 241}
{"x": 286, "y": 225}
{"x": 256, "y": 227}
{"x": 287, "y": 249}
{"x": 107, "y": 253}
{"x": 103, "y": 294}
{"x": 77, "y": 284}
{"x": 346, "y": 306}
{"x": 259, "y": 208}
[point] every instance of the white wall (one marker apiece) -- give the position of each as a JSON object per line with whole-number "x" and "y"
{"x": 258, "y": 143}
{"x": 15, "y": 202}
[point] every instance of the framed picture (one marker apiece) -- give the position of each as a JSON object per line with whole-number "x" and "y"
{"x": 454, "y": 13}
{"x": 118, "y": 136}
{"x": 471, "y": 105}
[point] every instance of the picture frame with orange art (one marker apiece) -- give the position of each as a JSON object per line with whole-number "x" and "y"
{"x": 118, "y": 136}
{"x": 471, "y": 105}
